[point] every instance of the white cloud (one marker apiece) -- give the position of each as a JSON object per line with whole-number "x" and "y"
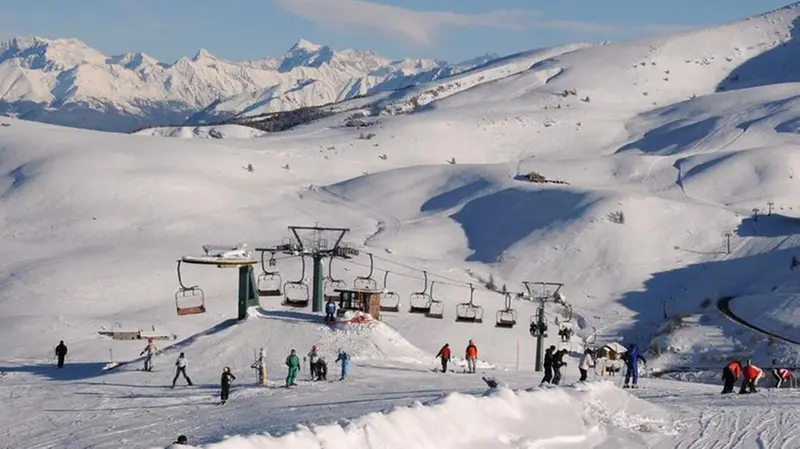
{"x": 422, "y": 27}
{"x": 417, "y": 26}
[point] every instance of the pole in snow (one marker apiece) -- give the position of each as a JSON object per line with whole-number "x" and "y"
{"x": 540, "y": 338}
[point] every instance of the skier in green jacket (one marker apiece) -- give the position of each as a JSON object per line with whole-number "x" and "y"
{"x": 293, "y": 362}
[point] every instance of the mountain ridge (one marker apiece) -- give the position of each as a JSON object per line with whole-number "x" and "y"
{"x": 66, "y": 82}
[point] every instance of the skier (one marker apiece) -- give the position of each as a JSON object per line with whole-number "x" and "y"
{"x": 322, "y": 369}
{"x": 225, "y": 384}
{"x": 730, "y": 374}
{"x": 312, "y": 361}
{"x": 181, "y": 365}
{"x": 330, "y": 311}
{"x": 781, "y": 375}
{"x": 751, "y": 374}
{"x": 586, "y": 362}
{"x": 632, "y": 358}
{"x": 444, "y": 353}
{"x": 558, "y": 362}
{"x": 471, "y": 356}
{"x": 182, "y": 440}
{"x": 61, "y": 352}
{"x": 345, "y": 359}
{"x": 293, "y": 362}
{"x": 548, "y": 365}
{"x": 150, "y": 349}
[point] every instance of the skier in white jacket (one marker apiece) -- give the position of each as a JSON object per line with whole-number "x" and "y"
{"x": 587, "y": 361}
{"x": 180, "y": 368}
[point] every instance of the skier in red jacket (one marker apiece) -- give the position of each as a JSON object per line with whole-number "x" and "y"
{"x": 781, "y": 375}
{"x": 751, "y": 375}
{"x": 730, "y": 374}
{"x": 444, "y": 353}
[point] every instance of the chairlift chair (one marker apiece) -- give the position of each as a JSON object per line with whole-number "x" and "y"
{"x": 269, "y": 282}
{"x": 436, "y": 310}
{"x": 189, "y": 300}
{"x": 330, "y": 284}
{"x": 506, "y": 318}
{"x": 366, "y": 282}
{"x": 296, "y": 293}
{"x": 420, "y": 302}
{"x": 390, "y": 300}
{"x": 469, "y": 312}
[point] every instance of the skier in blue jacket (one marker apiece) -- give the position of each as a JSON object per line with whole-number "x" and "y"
{"x": 330, "y": 311}
{"x": 345, "y": 359}
{"x": 632, "y": 358}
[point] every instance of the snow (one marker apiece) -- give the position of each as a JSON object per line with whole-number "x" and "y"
{"x": 587, "y": 417}
{"x": 646, "y": 213}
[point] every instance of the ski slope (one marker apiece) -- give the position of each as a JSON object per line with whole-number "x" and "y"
{"x": 635, "y": 201}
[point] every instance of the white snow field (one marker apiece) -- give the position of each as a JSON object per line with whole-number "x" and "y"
{"x": 649, "y": 157}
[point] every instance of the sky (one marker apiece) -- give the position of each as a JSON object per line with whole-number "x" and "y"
{"x": 450, "y": 30}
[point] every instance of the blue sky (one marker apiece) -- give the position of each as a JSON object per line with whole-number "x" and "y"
{"x": 452, "y": 30}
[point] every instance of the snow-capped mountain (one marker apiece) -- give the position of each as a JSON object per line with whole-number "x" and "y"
{"x": 66, "y": 82}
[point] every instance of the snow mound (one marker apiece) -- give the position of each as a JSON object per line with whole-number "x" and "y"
{"x": 593, "y": 415}
{"x": 203, "y": 132}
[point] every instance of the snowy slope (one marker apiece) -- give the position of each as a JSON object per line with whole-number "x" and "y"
{"x": 65, "y": 82}
{"x": 630, "y": 210}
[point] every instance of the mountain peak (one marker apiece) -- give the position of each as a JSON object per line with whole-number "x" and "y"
{"x": 203, "y": 54}
{"x": 304, "y": 45}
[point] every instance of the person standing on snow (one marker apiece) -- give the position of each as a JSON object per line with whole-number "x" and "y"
{"x": 225, "y": 384}
{"x": 558, "y": 362}
{"x": 322, "y": 369}
{"x": 181, "y": 365}
{"x": 330, "y": 311}
{"x": 345, "y": 359}
{"x": 471, "y": 356}
{"x": 61, "y": 353}
{"x": 751, "y": 374}
{"x": 781, "y": 375}
{"x": 632, "y": 358}
{"x": 548, "y": 365}
{"x": 586, "y": 362}
{"x": 293, "y": 362}
{"x": 444, "y": 353}
{"x": 312, "y": 361}
{"x": 150, "y": 349}
{"x": 730, "y": 374}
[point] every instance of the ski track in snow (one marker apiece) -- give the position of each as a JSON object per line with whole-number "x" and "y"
{"x": 387, "y": 224}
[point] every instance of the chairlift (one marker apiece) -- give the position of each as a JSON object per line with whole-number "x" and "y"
{"x": 537, "y": 329}
{"x": 436, "y": 307}
{"x": 366, "y": 282}
{"x": 420, "y": 302}
{"x": 189, "y": 300}
{"x": 390, "y": 300}
{"x": 331, "y": 284}
{"x": 296, "y": 293}
{"x": 507, "y": 317}
{"x": 269, "y": 282}
{"x": 469, "y": 312}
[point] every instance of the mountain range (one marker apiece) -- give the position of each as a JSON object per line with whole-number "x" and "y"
{"x": 66, "y": 82}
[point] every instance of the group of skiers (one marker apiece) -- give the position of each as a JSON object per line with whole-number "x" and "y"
{"x": 554, "y": 361}
{"x": 317, "y": 365}
{"x": 470, "y": 355}
{"x": 750, "y": 375}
